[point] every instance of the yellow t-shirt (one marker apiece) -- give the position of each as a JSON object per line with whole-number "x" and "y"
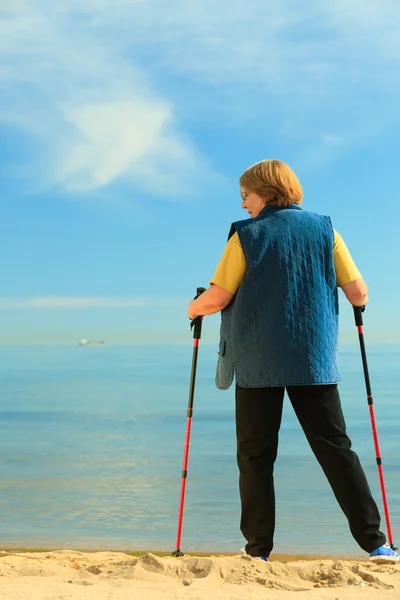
{"x": 232, "y": 266}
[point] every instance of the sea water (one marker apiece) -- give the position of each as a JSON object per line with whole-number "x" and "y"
{"x": 91, "y": 450}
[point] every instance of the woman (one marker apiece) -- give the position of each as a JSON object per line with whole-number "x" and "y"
{"x": 276, "y": 285}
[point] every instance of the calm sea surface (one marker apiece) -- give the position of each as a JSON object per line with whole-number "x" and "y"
{"x": 91, "y": 451}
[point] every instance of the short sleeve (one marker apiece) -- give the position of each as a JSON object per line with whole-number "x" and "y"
{"x": 232, "y": 267}
{"x": 345, "y": 268}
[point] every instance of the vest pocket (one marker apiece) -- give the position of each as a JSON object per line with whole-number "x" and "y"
{"x": 225, "y": 370}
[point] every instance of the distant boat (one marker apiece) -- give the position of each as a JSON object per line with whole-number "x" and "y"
{"x": 84, "y": 342}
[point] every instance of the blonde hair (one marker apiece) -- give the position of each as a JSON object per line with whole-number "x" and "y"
{"x": 274, "y": 181}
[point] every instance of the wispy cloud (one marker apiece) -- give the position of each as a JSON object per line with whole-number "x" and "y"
{"x": 280, "y": 46}
{"x": 54, "y": 302}
{"x": 68, "y": 302}
{"x": 100, "y": 84}
{"x": 323, "y": 68}
{"x": 93, "y": 112}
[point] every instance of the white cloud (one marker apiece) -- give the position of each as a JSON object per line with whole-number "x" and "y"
{"x": 92, "y": 110}
{"x": 101, "y": 83}
{"x": 110, "y": 138}
{"x": 293, "y": 43}
{"x": 57, "y": 302}
{"x": 52, "y": 302}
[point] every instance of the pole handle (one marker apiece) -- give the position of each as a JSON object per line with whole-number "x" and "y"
{"x": 200, "y": 290}
{"x": 358, "y": 311}
{"x": 197, "y": 323}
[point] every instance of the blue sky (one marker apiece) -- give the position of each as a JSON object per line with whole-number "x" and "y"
{"x": 124, "y": 128}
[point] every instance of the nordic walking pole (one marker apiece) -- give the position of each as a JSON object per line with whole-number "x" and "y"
{"x": 196, "y": 324}
{"x": 358, "y": 310}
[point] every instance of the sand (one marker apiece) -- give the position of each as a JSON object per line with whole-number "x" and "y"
{"x": 70, "y": 575}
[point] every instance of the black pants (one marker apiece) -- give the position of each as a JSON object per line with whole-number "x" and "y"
{"x": 318, "y": 408}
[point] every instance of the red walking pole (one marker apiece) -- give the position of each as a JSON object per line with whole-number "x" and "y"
{"x": 196, "y": 324}
{"x": 358, "y": 310}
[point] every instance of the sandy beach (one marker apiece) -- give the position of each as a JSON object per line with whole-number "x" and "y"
{"x": 72, "y": 575}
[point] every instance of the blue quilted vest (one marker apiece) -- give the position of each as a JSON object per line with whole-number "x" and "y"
{"x": 281, "y": 328}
